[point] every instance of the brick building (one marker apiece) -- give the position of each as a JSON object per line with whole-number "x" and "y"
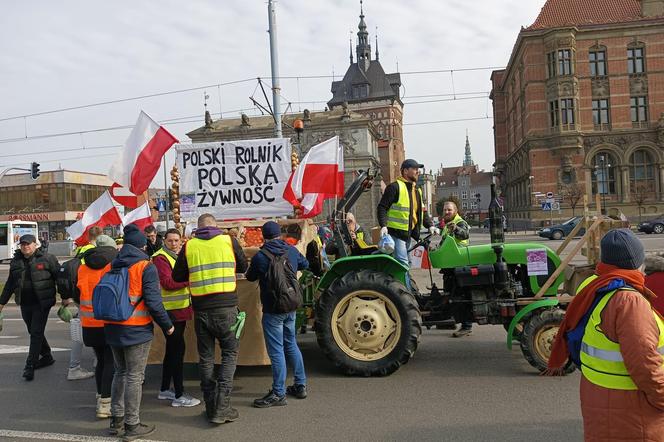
{"x": 578, "y": 109}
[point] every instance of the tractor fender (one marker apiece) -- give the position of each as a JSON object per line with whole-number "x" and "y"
{"x": 523, "y": 312}
{"x": 379, "y": 262}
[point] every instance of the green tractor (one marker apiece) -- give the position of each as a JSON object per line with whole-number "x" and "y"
{"x": 368, "y": 322}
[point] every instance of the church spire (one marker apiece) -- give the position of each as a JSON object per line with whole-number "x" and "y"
{"x": 350, "y": 47}
{"x": 363, "y": 48}
{"x": 377, "y": 58}
{"x": 468, "y": 159}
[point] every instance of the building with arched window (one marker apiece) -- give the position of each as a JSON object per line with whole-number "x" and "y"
{"x": 578, "y": 111}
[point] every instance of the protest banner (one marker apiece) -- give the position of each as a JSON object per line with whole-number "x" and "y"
{"x": 234, "y": 179}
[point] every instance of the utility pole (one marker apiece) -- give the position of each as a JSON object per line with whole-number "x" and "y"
{"x": 274, "y": 58}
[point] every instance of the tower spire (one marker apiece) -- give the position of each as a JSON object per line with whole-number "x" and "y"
{"x": 363, "y": 47}
{"x": 350, "y": 46}
{"x": 468, "y": 159}
{"x": 377, "y": 58}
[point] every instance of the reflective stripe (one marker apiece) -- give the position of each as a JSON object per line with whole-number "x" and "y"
{"x": 86, "y": 314}
{"x": 84, "y": 302}
{"x": 400, "y": 209}
{"x": 212, "y": 281}
{"x": 138, "y": 312}
{"x": 214, "y": 265}
{"x": 172, "y": 298}
{"x": 134, "y": 299}
{"x": 606, "y": 355}
{"x": 396, "y": 220}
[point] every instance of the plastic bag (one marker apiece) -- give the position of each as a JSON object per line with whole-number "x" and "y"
{"x": 386, "y": 244}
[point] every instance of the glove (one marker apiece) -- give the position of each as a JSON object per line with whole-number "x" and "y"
{"x": 434, "y": 230}
{"x": 383, "y": 231}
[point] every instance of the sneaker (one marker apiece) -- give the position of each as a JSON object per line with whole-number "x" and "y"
{"x": 185, "y": 401}
{"x": 29, "y": 372}
{"x": 133, "y": 432}
{"x": 166, "y": 395}
{"x": 462, "y": 332}
{"x": 104, "y": 408}
{"x": 78, "y": 373}
{"x": 297, "y": 390}
{"x": 116, "y": 425}
{"x": 270, "y": 400}
{"x": 44, "y": 361}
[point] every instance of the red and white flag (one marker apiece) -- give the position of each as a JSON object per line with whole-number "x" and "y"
{"x": 419, "y": 258}
{"x": 142, "y": 217}
{"x": 123, "y": 196}
{"x": 319, "y": 175}
{"x": 102, "y": 212}
{"x": 141, "y": 156}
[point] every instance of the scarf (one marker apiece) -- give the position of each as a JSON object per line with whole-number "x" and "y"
{"x": 170, "y": 253}
{"x": 582, "y": 303}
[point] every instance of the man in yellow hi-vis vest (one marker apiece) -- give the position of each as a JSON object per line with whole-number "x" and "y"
{"x": 209, "y": 262}
{"x": 400, "y": 211}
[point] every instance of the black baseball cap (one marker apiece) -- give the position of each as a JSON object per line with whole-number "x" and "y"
{"x": 28, "y": 239}
{"x": 411, "y": 164}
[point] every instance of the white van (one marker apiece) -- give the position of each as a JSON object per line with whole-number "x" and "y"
{"x": 10, "y": 232}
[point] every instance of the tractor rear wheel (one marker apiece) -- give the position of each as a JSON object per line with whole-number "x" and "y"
{"x": 368, "y": 323}
{"x": 539, "y": 334}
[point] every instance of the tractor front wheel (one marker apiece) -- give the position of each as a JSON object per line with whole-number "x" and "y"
{"x": 538, "y": 336}
{"x": 368, "y": 323}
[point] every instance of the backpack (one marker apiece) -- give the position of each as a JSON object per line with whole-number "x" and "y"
{"x": 282, "y": 283}
{"x": 67, "y": 279}
{"x": 574, "y": 337}
{"x": 110, "y": 299}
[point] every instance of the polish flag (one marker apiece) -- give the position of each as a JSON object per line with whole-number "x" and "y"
{"x": 319, "y": 175}
{"x": 141, "y": 216}
{"x": 141, "y": 156}
{"x": 419, "y": 258}
{"x": 102, "y": 212}
{"x": 123, "y": 196}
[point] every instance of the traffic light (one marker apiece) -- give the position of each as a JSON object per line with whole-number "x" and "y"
{"x": 34, "y": 170}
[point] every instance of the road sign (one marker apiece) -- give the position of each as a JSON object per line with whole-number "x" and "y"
{"x": 555, "y": 205}
{"x": 546, "y": 206}
{"x": 161, "y": 206}
{"x": 549, "y": 194}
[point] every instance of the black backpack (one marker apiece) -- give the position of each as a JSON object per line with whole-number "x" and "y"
{"x": 282, "y": 283}
{"x": 67, "y": 280}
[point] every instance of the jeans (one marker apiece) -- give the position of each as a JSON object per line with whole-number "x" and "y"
{"x": 210, "y": 326}
{"x": 279, "y": 332}
{"x": 75, "y": 355}
{"x": 104, "y": 370}
{"x": 35, "y": 317}
{"x": 173, "y": 366}
{"x": 127, "y": 387}
{"x": 401, "y": 255}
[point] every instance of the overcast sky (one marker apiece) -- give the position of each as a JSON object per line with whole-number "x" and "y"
{"x": 70, "y": 53}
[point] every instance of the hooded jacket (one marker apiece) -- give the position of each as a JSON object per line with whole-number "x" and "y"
{"x": 213, "y": 300}
{"x": 96, "y": 259}
{"x": 260, "y": 264}
{"x": 125, "y": 335}
{"x": 31, "y": 279}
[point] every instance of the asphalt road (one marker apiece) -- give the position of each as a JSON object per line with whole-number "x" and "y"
{"x": 470, "y": 389}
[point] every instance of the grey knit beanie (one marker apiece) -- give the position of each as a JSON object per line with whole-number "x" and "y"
{"x": 621, "y": 248}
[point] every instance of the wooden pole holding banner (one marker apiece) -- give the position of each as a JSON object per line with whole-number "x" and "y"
{"x": 166, "y": 205}
{"x": 569, "y": 258}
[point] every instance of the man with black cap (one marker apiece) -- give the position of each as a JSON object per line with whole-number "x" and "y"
{"x": 278, "y": 326}
{"x": 31, "y": 280}
{"x": 400, "y": 211}
{"x": 620, "y": 347}
{"x": 209, "y": 263}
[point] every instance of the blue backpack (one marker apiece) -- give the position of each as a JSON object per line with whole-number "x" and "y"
{"x": 110, "y": 299}
{"x": 574, "y": 337}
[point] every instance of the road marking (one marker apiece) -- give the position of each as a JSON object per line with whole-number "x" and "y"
{"x": 14, "y": 349}
{"x": 9, "y": 337}
{"x": 61, "y": 436}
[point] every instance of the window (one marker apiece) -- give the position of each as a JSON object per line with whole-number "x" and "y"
{"x": 455, "y": 194}
{"x": 567, "y": 111}
{"x": 473, "y": 205}
{"x": 554, "y": 115}
{"x": 635, "y": 61}
{"x": 642, "y": 172}
{"x": 464, "y": 195}
{"x": 597, "y": 63}
{"x": 464, "y": 205}
{"x": 604, "y": 176}
{"x": 565, "y": 62}
{"x": 601, "y": 113}
{"x": 639, "y": 109}
{"x": 361, "y": 91}
{"x": 551, "y": 64}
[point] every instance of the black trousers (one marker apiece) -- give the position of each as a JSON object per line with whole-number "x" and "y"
{"x": 104, "y": 370}
{"x": 173, "y": 367}
{"x": 35, "y": 317}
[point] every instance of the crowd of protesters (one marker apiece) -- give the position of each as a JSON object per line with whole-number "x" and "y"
{"x": 169, "y": 281}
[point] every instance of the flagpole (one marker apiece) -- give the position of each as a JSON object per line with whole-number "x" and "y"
{"x": 274, "y": 58}
{"x": 166, "y": 205}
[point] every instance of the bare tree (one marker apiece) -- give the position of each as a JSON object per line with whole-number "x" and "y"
{"x": 640, "y": 194}
{"x": 572, "y": 193}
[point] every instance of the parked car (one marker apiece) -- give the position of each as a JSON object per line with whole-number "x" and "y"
{"x": 653, "y": 226}
{"x": 559, "y": 231}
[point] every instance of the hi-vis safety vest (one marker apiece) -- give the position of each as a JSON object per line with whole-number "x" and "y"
{"x": 445, "y": 232}
{"x": 88, "y": 278}
{"x": 211, "y": 265}
{"x": 81, "y": 250}
{"x": 141, "y": 314}
{"x": 601, "y": 360}
{"x": 398, "y": 217}
{"x": 173, "y": 299}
